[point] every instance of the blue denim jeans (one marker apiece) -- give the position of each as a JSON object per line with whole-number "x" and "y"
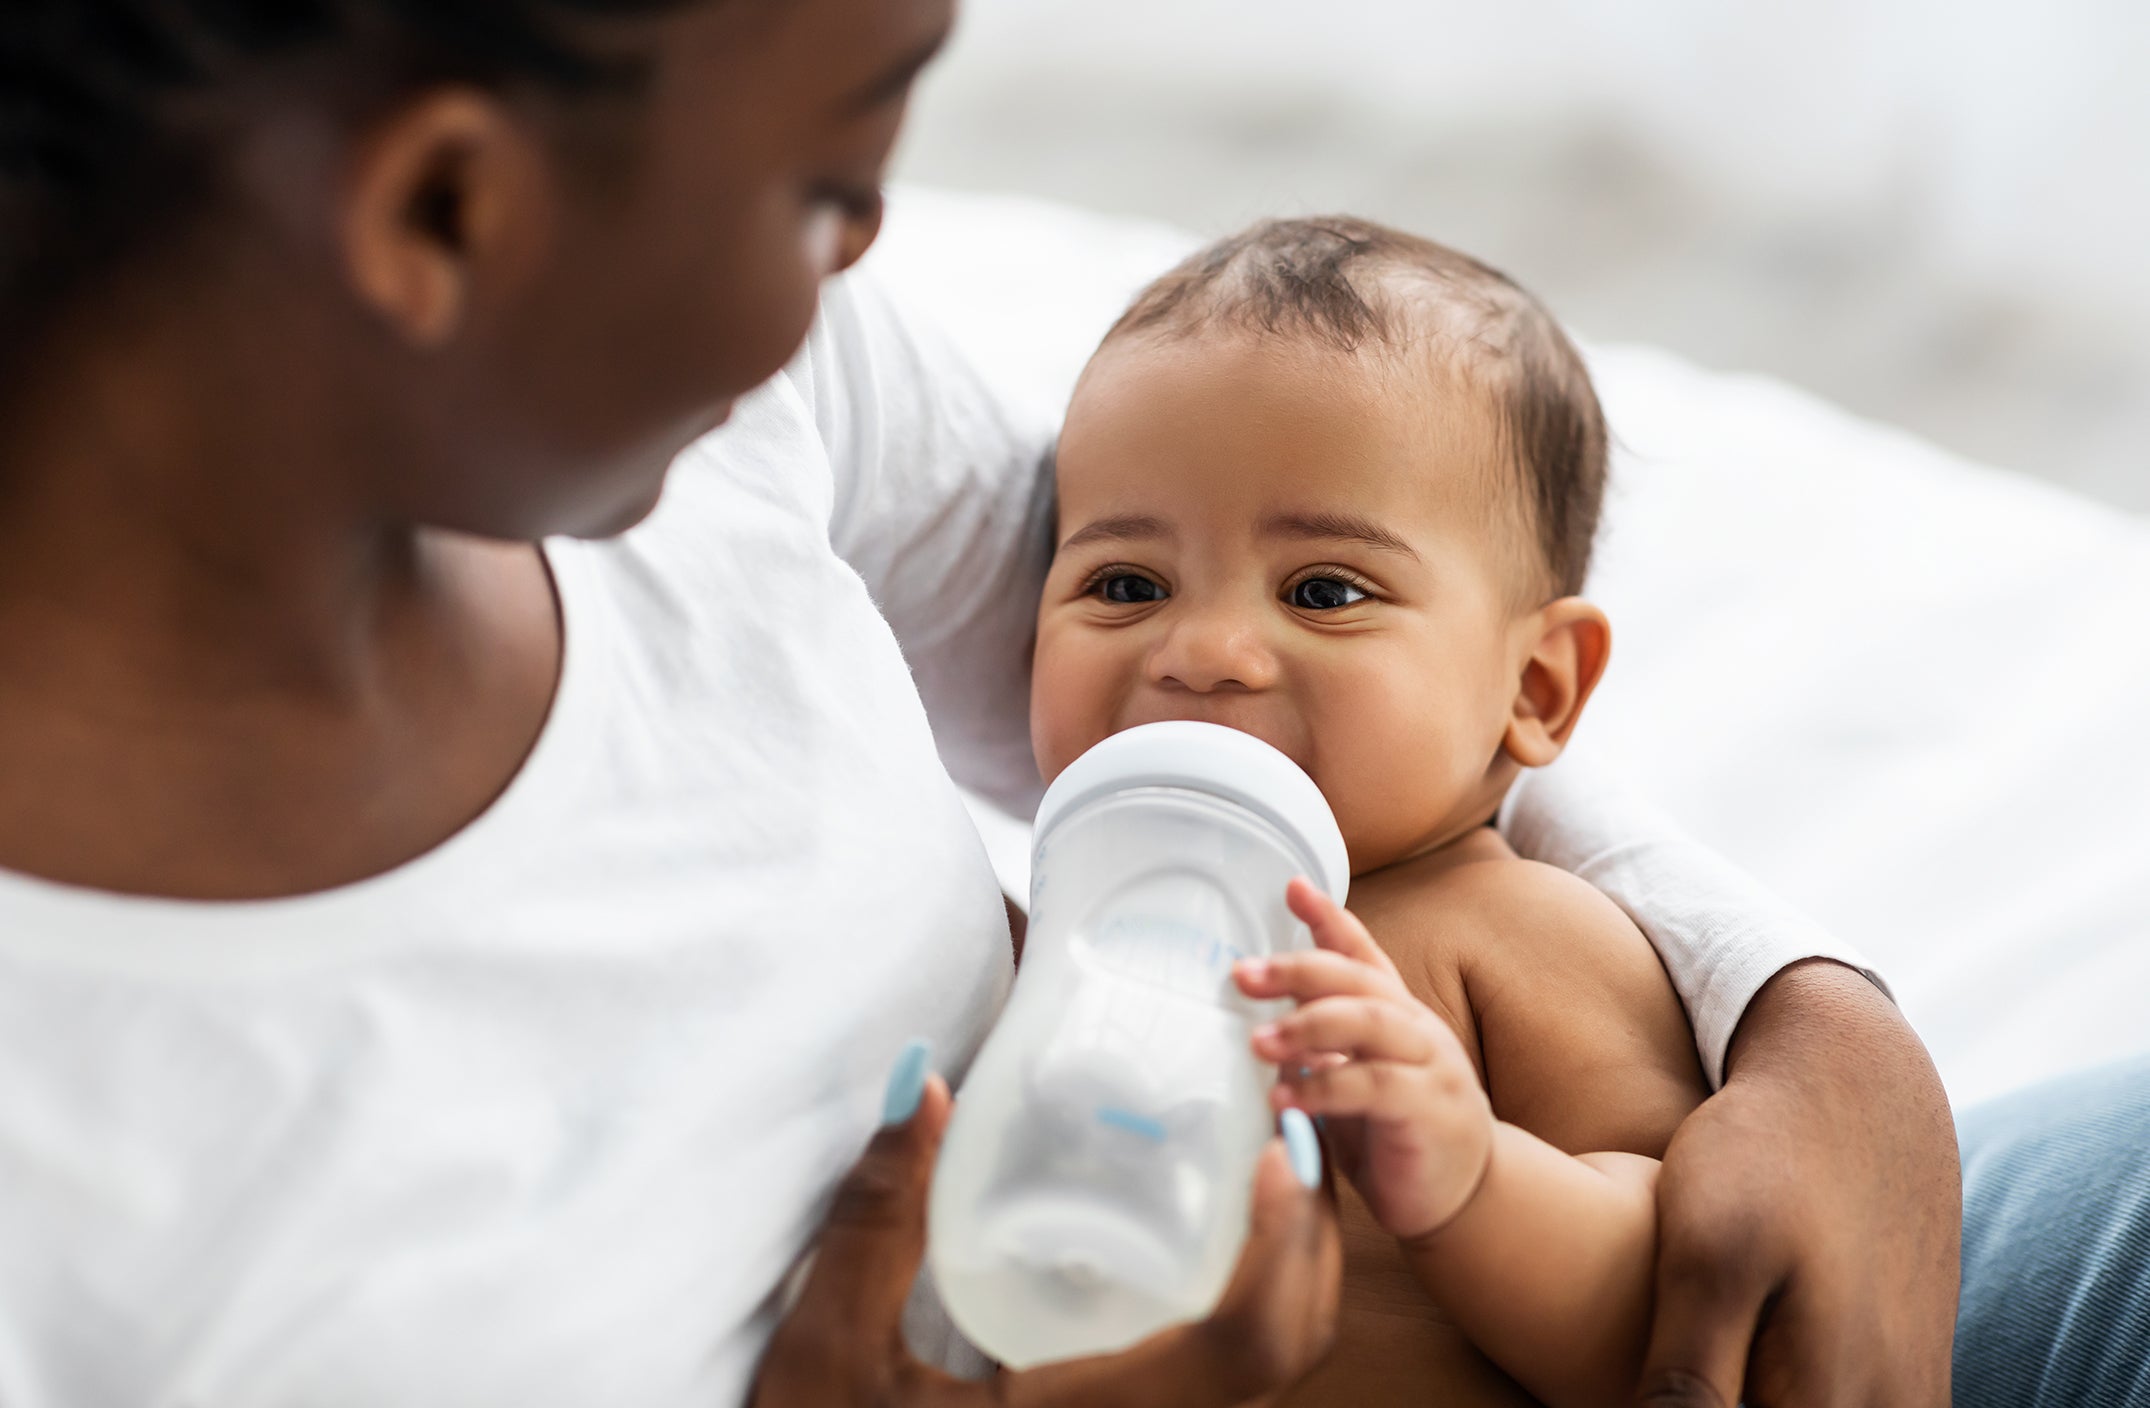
{"x": 2056, "y": 1246}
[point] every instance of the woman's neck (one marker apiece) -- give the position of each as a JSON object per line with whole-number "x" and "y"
{"x": 220, "y": 676}
{"x": 161, "y": 499}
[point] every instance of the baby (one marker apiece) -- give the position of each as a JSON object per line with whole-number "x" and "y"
{"x": 1336, "y": 486}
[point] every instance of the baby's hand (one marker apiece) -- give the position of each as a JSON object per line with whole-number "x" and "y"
{"x": 1409, "y": 1118}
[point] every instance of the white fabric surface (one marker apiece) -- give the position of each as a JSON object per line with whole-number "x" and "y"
{"x": 1902, "y": 690}
{"x": 1905, "y": 690}
{"x": 546, "y": 1116}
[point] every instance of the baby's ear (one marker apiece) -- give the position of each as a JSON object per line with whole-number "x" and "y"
{"x": 1569, "y": 643}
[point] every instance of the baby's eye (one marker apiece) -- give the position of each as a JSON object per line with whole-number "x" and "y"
{"x": 1325, "y": 594}
{"x": 1128, "y": 589}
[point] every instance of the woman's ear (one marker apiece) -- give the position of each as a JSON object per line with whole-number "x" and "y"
{"x": 450, "y": 198}
{"x": 1569, "y": 643}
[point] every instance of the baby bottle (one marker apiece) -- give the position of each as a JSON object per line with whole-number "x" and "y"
{"x": 1095, "y": 1182}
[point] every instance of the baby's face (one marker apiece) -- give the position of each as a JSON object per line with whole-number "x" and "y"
{"x": 1312, "y": 547}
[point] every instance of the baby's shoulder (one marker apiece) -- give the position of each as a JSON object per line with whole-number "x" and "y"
{"x": 1480, "y": 905}
{"x": 1449, "y": 921}
{"x": 1532, "y": 938}
{"x": 1571, "y": 1019}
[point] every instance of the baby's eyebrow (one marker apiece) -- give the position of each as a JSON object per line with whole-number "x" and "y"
{"x": 1345, "y": 526}
{"x": 1126, "y": 527}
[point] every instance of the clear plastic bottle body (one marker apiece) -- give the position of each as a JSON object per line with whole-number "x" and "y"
{"x": 1094, "y": 1184}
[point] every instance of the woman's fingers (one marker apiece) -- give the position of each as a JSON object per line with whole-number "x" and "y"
{"x": 836, "y": 1344}
{"x": 1335, "y": 928}
{"x": 1278, "y": 1315}
{"x": 1365, "y": 1028}
{"x": 1703, "y": 1331}
{"x": 1280, "y": 1307}
{"x": 1274, "y": 1323}
{"x": 842, "y": 1342}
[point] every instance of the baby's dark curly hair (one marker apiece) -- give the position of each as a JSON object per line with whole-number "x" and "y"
{"x": 1346, "y": 283}
{"x": 109, "y": 109}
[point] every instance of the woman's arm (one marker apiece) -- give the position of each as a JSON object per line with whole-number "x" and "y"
{"x": 1809, "y": 1213}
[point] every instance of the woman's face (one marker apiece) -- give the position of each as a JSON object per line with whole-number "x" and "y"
{"x": 675, "y": 265}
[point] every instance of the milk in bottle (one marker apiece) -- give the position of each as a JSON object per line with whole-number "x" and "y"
{"x": 1095, "y": 1181}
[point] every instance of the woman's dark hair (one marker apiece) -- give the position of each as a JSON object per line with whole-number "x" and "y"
{"x": 102, "y": 142}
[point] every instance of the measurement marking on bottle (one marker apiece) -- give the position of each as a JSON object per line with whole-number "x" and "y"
{"x": 1143, "y": 1125}
{"x": 1190, "y": 959}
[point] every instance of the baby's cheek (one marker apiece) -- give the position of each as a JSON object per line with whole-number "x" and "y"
{"x": 1071, "y": 700}
{"x": 1380, "y": 813}
{"x": 1393, "y": 783}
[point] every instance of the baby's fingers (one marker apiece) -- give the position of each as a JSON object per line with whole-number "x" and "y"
{"x": 1312, "y": 974}
{"x": 1382, "y": 1092}
{"x": 1367, "y": 1028}
{"x": 1335, "y": 928}
{"x": 1372, "y": 1090}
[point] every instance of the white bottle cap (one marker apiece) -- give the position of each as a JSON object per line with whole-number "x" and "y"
{"x": 1219, "y": 761}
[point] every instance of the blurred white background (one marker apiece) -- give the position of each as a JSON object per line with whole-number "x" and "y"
{"x": 1934, "y": 213}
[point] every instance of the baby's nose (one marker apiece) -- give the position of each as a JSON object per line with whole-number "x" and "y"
{"x": 1214, "y": 650}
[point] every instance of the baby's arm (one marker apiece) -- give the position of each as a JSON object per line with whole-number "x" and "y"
{"x": 1591, "y": 1068}
{"x": 1542, "y": 1257}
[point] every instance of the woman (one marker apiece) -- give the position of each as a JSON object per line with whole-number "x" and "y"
{"x": 442, "y": 961}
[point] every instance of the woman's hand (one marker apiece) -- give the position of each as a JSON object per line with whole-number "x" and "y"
{"x": 1412, "y": 1124}
{"x": 842, "y": 1344}
{"x": 1811, "y": 1214}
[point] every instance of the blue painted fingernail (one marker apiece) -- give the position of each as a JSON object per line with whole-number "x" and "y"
{"x": 1304, "y": 1147}
{"x": 907, "y": 1083}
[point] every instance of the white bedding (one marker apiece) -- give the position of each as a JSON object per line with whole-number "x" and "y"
{"x": 1908, "y": 691}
